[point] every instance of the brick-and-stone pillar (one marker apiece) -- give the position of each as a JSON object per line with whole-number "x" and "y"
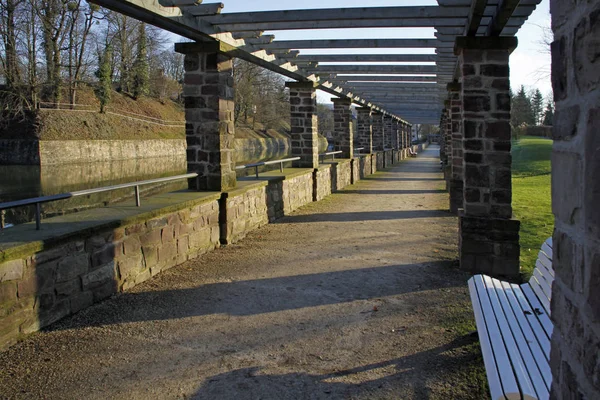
{"x": 489, "y": 237}
{"x": 304, "y": 123}
{"x": 575, "y": 356}
{"x": 378, "y": 138}
{"x": 365, "y": 129}
{"x": 388, "y": 129}
{"x": 209, "y": 104}
{"x": 456, "y": 136}
{"x": 342, "y": 134}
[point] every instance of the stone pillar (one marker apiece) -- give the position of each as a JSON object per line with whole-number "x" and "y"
{"x": 396, "y": 134}
{"x": 342, "y": 134}
{"x": 209, "y": 104}
{"x": 365, "y": 129}
{"x": 489, "y": 237}
{"x": 442, "y": 140}
{"x": 378, "y": 139}
{"x": 304, "y": 123}
{"x": 574, "y": 358}
{"x": 388, "y": 128}
{"x": 456, "y": 136}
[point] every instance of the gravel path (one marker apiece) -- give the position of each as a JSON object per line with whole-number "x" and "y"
{"x": 354, "y": 297}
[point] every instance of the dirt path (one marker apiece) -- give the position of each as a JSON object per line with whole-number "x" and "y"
{"x": 354, "y": 297}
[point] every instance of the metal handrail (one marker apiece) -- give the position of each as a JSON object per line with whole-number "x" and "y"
{"x": 263, "y": 163}
{"x": 37, "y": 201}
{"x": 331, "y": 153}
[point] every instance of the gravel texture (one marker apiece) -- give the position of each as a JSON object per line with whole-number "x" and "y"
{"x": 354, "y": 297}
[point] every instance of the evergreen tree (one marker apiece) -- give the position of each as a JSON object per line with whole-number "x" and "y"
{"x": 141, "y": 76}
{"x": 537, "y": 106}
{"x": 549, "y": 114}
{"x": 104, "y": 88}
{"x": 522, "y": 112}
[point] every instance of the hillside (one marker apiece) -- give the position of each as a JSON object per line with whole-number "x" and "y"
{"x": 125, "y": 119}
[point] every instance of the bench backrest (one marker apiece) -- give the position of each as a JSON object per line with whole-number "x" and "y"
{"x": 543, "y": 275}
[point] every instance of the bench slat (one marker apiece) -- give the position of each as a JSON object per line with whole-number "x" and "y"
{"x": 489, "y": 359}
{"x": 540, "y": 366}
{"x": 543, "y": 282}
{"x": 534, "y": 301}
{"x": 534, "y": 322}
{"x": 546, "y": 262}
{"x": 544, "y": 272}
{"x": 518, "y": 355}
{"x": 547, "y": 248}
{"x": 541, "y": 296}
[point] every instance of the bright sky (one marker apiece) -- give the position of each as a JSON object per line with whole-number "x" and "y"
{"x": 530, "y": 64}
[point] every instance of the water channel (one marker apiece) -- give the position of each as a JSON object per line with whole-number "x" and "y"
{"x": 25, "y": 181}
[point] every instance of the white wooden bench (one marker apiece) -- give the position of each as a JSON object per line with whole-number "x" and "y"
{"x": 514, "y": 327}
{"x": 411, "y": 152}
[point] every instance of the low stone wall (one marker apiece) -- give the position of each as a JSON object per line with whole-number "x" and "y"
{"x": 44, "y": 280}
{"x": 341, "y": 174}
{"x": 245, "y": 209}
{"x": 322, "y": 181}
{"x": 50, "y": 279}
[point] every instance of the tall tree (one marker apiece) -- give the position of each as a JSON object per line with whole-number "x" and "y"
{"x": 53, "y": 15}
{"x": 537, "y": 106}
{"x": 141, "y": 75}
{"x": 104, "y": 87}
{"x": 549, "y": 114}
{"x": 521, "y": 110}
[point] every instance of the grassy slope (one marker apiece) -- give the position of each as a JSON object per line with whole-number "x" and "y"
{"x": 532, "y": 197}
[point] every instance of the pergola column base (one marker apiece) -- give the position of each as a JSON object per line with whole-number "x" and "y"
{"x": 304, "y": 124}
{"x": 489, "y": 246}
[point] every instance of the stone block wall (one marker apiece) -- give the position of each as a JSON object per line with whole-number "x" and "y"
{"x": 575, "y": 355}
{"x": 379, "y": 161}
{"x": 322, "y": 181}
{"x": 38, "y": 289}
{"x": 245, "y": 210}
{"x": 297, "y": 191}
{"x": 356, "y": 169}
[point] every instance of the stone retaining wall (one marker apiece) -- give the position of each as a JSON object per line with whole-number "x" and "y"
{"x": 322, "y": 181}
{"x": 40, "y": 287}
{"x": 42, "y": 282}
{"x": 53, "y": 152}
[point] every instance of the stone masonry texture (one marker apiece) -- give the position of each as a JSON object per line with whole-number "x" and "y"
{"x": 486, "y": 159}
{"x": 378, "y": 134}
{"x": 456, "y": 136}
{"x": 343, "y": 137}
{"x": 209, "y": 104}
{"x": 365, "y": 129}
{"x": 304, "y": 123}
{"x": 575, "y": 355}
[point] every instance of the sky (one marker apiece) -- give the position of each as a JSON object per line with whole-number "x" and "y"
{"x": 529, "y": 63}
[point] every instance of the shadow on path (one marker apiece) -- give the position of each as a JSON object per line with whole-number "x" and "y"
{"x": 413, "y": 370}
{"x": 259, "y": 296}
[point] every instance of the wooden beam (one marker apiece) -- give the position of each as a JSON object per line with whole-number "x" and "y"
{"x": 353, "y": 44}
{"x": 501, "y": 18}
{"x": 201, "y": 10}
{"x": 369, "y": 57}
{"x": 475, "y": 16}
{"x": 375, "y": 69}
{"x": 394, "y": 78}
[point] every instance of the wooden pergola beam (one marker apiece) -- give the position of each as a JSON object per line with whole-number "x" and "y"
{"x": 369, "y": 57}
{"x": 501, "y": 17}
{"x": 353, "y": 44}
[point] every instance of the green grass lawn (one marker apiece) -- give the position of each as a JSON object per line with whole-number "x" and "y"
{"x": 532, "y": 196}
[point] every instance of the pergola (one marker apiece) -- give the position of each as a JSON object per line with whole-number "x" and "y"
{"x": 462, "y": 83}
{"x": 393, "y": 89}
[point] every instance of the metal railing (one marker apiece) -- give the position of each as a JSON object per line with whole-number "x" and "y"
{"x": 263, "y": 163}
{"x": 331, "y": 153}
{"x": 38, "y": 201}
